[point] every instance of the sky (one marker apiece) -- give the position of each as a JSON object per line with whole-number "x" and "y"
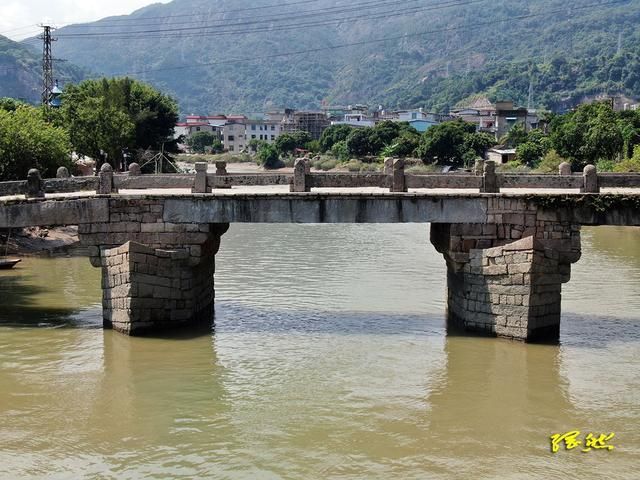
{"x": 19, "y": 18}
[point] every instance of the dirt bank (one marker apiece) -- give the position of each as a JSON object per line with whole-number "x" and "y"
{"x": 40, "y": 241}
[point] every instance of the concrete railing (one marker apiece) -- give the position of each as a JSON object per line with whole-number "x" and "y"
{"x": 484, "y": 179}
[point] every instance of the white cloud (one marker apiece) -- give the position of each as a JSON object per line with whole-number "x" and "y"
{"x": 19, "y": 18}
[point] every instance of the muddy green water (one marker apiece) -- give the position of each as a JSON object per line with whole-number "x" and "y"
{"x": 329, "y": 360}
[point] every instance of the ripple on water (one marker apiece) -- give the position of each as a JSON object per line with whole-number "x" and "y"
{"x": 343, "y": 370}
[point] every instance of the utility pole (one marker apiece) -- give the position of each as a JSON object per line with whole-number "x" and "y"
{"x": 47, "y": 64}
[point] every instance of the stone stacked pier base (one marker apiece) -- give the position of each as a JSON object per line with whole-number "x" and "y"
{"x": 145, "y": 289}
{"x": 504, "y": 278}
{"x": 156, "y": 275}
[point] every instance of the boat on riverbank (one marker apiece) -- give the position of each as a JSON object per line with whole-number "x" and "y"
{"x": 7, "y": 263}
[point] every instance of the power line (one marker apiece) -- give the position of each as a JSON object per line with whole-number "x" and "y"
{"x": 136, "y": 19}
{"x": 26, "y": 27}
{"x": 291, "y": 26}
{"x": 379, "y": 40}
{"x": 262, "y": 19}
{"x": 354, "y": 7}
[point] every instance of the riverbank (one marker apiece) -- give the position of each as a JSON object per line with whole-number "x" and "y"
{"x": 41, "y": 241}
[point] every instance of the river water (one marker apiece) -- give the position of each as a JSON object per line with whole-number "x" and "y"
{"x": 329, "y": 360}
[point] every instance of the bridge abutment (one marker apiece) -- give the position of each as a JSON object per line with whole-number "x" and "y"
{"x": 505, "y": 279}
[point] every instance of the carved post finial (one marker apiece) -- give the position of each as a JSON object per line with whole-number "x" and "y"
{"x": 564, "y": 168}
{"x": 35, "y": 187}
{"x": 301, "y": 168}
{"x": 105, "y": 180}
{"x": 221, "y": 172}
{"x": 62, "y": 172}
{"x": 590, "y": 180}
{"x": 388, "y": 166}
{"x": 398, "y": 183}
{"x": 134, "y": 170}
{"x": 490, "y": 178}
{"x": 200, "y": 182}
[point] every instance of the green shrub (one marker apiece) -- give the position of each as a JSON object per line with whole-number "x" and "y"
{"x": 550, "y": 163}
{"x": 629, "y": 165}
{"x": 604, "y": 165}
{"x": 514, "y": 166}
{"x": 268, "y": 157}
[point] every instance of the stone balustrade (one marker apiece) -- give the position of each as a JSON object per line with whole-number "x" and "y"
{"x": 483, "y": 179}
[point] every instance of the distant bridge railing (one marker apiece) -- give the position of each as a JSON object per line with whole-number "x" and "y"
{"x": 483, "y": 178}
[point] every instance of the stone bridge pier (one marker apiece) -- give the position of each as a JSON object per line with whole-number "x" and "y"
{"x": 155, "y": 275}
{"x": 504, "y": 277}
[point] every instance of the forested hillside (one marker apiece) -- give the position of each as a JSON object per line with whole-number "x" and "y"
{"x": 252, "y": 55}
{"x": 21, "y": 71}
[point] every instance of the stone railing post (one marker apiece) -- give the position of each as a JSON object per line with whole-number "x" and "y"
{"x": 388, "y": 166}
{"x": 590, "y": 179}
{"x": 489, "y": 178}
{"x": 105, "y": 180}
{"x": 221, "y": 171}
{"x": 478, "y": 167}
{"x": 200, "y": 182}
{"x": 300, "y": 171}
{"x": 134, "y": 170}
{"x": 34, "y": 184}
{"x": 398, "y": 183}
{"x": 564, "y": 169}
{"x": 62, "y": 172}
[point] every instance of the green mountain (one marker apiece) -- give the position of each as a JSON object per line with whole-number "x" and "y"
{"x": 21, "y": 71}
{"x": 253, "y": 55}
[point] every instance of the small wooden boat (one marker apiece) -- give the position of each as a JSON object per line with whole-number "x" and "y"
{"x": 7, "y": 263}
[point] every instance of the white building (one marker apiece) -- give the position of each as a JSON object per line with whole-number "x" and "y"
{"x": 265, "y": 130}
{"x": 233, "y": 134}
{"x": 355, "y": 120}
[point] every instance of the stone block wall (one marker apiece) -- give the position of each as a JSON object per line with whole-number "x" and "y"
{"x": 510, "y": 291}
{"x": 148, "y": 289}
{"x": 505, "y": 277}
{"x": 155, "y": 274}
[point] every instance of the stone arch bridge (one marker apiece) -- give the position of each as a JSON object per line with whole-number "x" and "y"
{"x": 508, "y": 241}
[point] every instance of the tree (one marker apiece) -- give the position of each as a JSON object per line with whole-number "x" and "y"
{"x": 588, "y": 134}
{"x": 332, "y": 135}
{"x": 358, "y": 142}
{"x": 403, "y": 146}
{"x": 10, "y": 104}
{"x": 479, "y": 143}
{"x": 200, "y": 140}
{"x": 27, "y": 141}
{"x": 111, "y": 115}
{"x": 287, "y": 142}
{"x": 515, "y": 136}
{"x": 531, "y": 151}
{"x": 268, "y": 156}
{"x": 445, "y": 143}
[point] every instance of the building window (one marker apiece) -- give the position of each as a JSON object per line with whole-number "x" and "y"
{"x": 253, "y": 136}
{"x": 197, "y": 129}
{"x": 231, "y": 148}
{"x": 273, "y": 137}
{"x": 231, "y": 138}
{"x": 273, "y": 127}
{"x": 253, "y": 127}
